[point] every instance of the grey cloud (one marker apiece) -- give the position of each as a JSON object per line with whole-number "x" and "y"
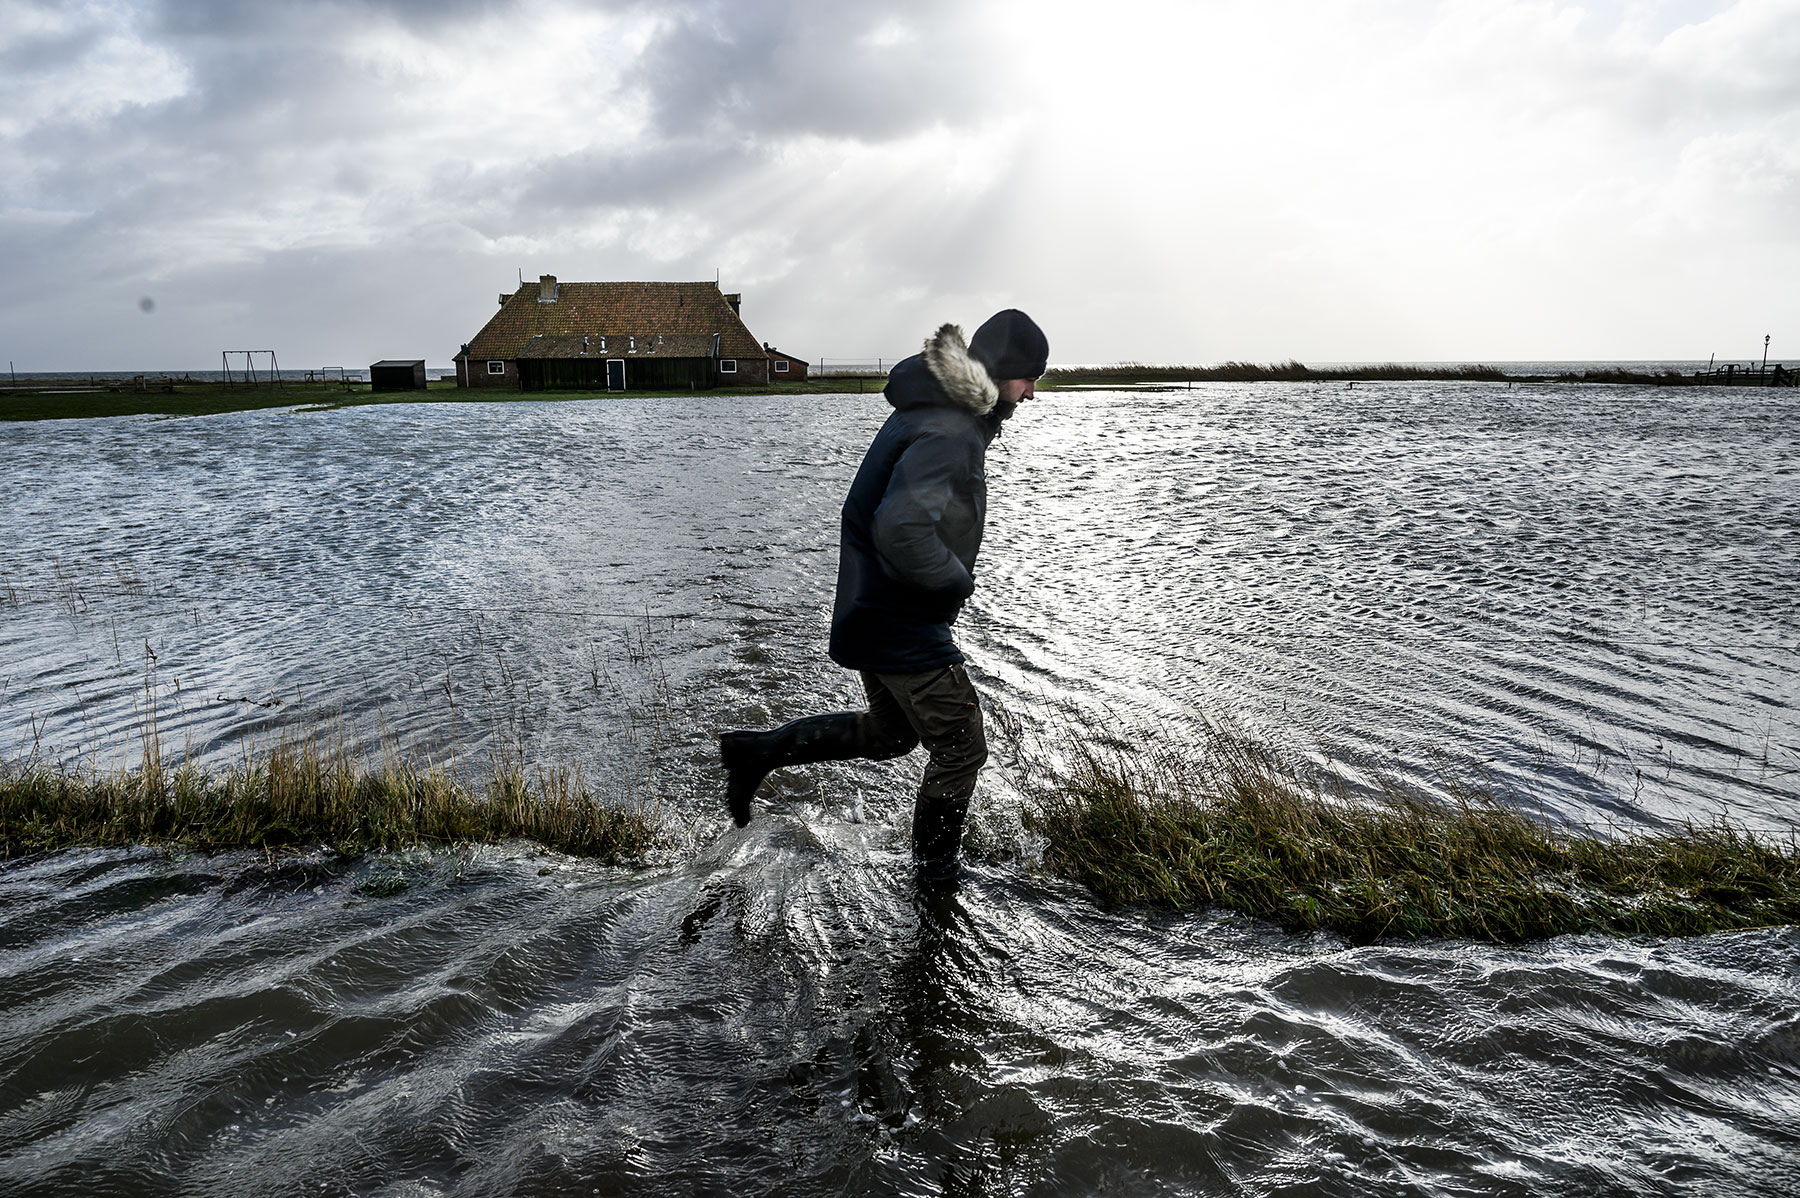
{"x": 805, "y": 66}
{"x": 40, "y": 52}
{"x": 659, "y": 174}
{"x": 232, "y": 129}
{"x": 729, "y": 84}
{"x": 216, "y": 18}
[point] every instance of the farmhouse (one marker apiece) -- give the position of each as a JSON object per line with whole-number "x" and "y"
{"x": 614, "y": 336}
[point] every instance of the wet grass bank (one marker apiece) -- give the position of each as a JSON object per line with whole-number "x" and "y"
{"x": 306, "y": 794}
{"x": 1225, "y": 823}
{"x": 59, "y": 402}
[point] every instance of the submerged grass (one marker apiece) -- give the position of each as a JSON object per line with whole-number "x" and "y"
{"x": 1226, "y": 823}
{"x": 304, "y": 793}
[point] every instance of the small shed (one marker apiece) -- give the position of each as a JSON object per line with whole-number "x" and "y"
{"x": 784, "y": 368}
{"x": 397, "y": 375}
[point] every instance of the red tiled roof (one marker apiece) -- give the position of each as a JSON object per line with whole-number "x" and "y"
{"x": 685, "y": 315}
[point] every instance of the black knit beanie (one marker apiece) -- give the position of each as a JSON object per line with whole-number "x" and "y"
{"x": 1011, "y": 346}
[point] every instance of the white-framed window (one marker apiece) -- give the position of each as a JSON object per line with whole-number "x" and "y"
{"x": 727, "y": 365}
{"x": 781, "y": 366}
{"x": 496, "y": 367}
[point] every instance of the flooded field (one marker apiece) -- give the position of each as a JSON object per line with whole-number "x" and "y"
{"x": 1583, "y": 597}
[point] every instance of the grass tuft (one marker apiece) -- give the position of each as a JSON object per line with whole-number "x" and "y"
{"x": 1225, "y": 823}
{"x": 306, "y": 793}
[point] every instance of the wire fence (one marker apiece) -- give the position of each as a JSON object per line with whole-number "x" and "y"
{"x": 849, "y": 368}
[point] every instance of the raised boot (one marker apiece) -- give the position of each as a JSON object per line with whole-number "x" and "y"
{"x": 937, "y": 840}
{"x": 749, "y": 756}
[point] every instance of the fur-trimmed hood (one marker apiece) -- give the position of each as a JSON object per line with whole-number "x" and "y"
{"x": 961, "y": 379}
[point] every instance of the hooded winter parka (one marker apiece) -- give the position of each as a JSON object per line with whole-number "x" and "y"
{"x": 913, "y": 520}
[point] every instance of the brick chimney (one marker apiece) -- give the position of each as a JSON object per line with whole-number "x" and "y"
{"x": 735, "y": 299}
{"x": 546, "y": 289}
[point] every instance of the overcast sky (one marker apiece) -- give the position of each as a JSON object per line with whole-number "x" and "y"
{"x": 1385, "y": 179}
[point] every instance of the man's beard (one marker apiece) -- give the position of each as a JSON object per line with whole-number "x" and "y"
{"x": 1003, "y": 409}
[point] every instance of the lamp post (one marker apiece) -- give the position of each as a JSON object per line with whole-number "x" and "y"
{"x": 1765, "y": 365}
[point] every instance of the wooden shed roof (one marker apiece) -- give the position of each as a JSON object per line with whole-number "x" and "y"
{"x": 685, "y": 315}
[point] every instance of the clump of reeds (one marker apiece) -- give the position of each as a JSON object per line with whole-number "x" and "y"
{"x": 304, "y": 793}
{"x": 1226, "y": 822}
{"x": 1275, "y": 372}
{"x": 1666, "y": 378}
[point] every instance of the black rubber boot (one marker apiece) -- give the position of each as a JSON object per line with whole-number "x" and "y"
{"x": 749, "y": 756}
{"x": 937, "y": 840}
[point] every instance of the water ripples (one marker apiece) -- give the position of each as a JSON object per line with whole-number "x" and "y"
{"x": 1585, "y": 596}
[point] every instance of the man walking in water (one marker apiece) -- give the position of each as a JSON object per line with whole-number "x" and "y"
{"x": 906, "y": 562}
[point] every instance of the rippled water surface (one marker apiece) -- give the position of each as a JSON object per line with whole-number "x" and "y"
{"x": 1583, "y": 596}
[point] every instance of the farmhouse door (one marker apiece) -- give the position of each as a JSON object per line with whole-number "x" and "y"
{"x": 615, "y": 374}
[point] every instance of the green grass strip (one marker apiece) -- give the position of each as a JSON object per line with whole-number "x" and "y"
{"x": 211, "y": 399}
{"x": 1224, "y": 824}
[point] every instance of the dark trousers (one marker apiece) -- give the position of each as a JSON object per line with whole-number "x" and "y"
{"x": 938, "y": 709}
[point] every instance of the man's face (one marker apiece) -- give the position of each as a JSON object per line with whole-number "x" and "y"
{"x": 1013, "y": 390}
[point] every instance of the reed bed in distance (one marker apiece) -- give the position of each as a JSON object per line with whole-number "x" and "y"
{"x": 1138, "y": 373}
{"x": 1226, "y": 822}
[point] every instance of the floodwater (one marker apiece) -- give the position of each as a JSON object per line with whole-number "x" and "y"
{"x": 1583, "y": 597}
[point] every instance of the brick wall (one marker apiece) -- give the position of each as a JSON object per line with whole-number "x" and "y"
{"x": 476, "y": 374}
{"x": 750, "y": 372}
